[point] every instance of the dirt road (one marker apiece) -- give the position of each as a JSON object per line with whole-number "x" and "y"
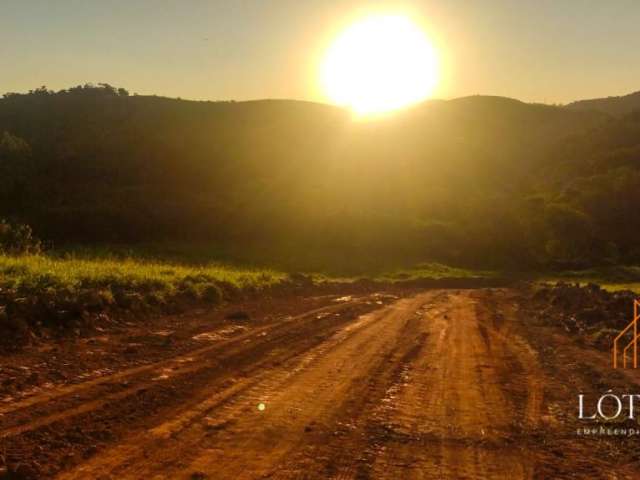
{"x": 444, "y": 384}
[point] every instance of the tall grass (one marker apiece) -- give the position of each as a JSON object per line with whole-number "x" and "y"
{"x": 40, "y": 290}
{"x": 39, "y": 271}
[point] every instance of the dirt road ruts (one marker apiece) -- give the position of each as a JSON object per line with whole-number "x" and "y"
{"x": 444, "y": 384}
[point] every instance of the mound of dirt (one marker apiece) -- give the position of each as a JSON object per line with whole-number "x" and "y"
{"x": 594, "y": 314}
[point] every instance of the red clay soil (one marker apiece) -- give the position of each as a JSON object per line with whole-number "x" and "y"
{"x": 435, "y": 384}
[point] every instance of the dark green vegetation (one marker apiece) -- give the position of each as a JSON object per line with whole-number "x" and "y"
{"x": 18, "y": 239}
{"x": 485, "y": 182}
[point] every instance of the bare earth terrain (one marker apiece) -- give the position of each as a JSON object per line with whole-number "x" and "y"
{"x": 438, "y": 384}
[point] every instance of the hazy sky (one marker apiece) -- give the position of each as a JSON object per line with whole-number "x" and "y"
{"x": 534, "y": 50}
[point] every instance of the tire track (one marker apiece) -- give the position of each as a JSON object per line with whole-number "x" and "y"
{"x": 236, "y": 440}
{"x": 75, "y": 423}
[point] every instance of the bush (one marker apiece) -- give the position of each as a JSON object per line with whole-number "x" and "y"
{"x": 212, "y": 293}
{"x": 18, "y": 239}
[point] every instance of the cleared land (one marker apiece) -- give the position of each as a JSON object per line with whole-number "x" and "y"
{"x": 446, "y": 383}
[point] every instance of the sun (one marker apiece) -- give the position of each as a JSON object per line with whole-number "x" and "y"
{"x": 380, "y": 63}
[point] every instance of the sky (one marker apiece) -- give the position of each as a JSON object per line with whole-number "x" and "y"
{"x": 551, "y": 51}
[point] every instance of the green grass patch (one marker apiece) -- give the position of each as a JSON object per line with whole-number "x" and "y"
{"x": 434, "y": 271}
{"x": 422, "y": 271}
{"x": 614, "y": 287}
{"x": 40, "y": 271}
{"x": 41, "y": 290}
{"x": 615, "y": 278}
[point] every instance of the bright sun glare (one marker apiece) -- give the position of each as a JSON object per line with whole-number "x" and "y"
{"x": 380, "y": 63}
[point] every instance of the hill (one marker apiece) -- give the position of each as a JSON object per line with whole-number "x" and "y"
{"x": 471, "y": 180}
{"x": 616, "y": 106}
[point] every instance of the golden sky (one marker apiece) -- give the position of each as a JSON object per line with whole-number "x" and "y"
{"x": 542, "y": 50}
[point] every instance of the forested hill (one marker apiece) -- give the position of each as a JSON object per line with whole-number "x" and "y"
{"x": 474, "y": 180}
{"x": 617, "y": 106}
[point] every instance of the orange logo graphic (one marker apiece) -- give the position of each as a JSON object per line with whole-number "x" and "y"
{"x": 630, "y": 331}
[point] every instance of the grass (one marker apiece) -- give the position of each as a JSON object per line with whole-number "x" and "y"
{"x": 614, "y": 287}
{"x": 422, "y": 271}
{"x": 40, "y": 289}
{"x": 199, "y": 254}
{"x": 614, "y": 278}
{"x": 434, "y": 271}
{"x": 40, "y": 271}
{"x": 74, "y": 287}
